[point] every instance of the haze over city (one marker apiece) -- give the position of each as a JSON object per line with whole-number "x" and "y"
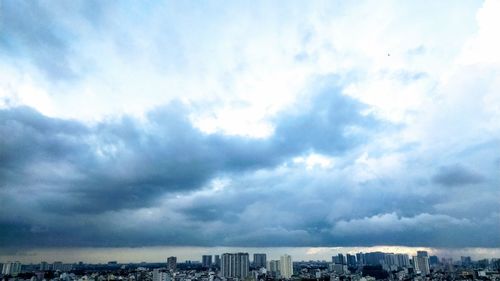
{"x": 134, "y": 131}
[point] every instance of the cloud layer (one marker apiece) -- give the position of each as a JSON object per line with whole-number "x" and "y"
{"x": 345, "y": 125}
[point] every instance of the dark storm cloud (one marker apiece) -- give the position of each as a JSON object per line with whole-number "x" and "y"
{"x": 65, "y": 167}
{"x": 325, "y": 124}
{"x": 457, "y": 175}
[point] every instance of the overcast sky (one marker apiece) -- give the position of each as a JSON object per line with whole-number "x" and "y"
{"x": 274, "y": 123}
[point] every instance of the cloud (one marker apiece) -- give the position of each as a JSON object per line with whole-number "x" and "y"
{"x": 233, "y": 125}
{"x": 66, "y": 167}
{"x": 457, "y": 175}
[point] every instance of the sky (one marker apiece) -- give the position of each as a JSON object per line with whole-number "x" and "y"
{"x": 249, "y": 124}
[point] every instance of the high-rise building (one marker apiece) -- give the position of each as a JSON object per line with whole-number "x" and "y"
{"x": 433, "y": 260}
{"x": 11, "y": 268}
{"x": 341, "y": 259}
{"x": 422, "y": 254}
{"x": 217, "y": 261}
{"x": 172, "y": 263}
{"x": 206, "y": 261}
{"x": 374, "y": 258}
{"x": 259, "y": 260}
{"x": 286, "y": 266}
{"x": 44, "y": 266}
{"x": 466, "y": 261}
{"x": 351, "y": 260}
{"x": 360, "y": 258}
{"x": 402, "y": 260}
{"x": 159, "y": 275}
{"x": 390, "y": 259}
{"x": 235, "y": 265}
{"x": 57, "y": 266}
{"x": 273, "y": 266}
{"x": 421, "y": 264}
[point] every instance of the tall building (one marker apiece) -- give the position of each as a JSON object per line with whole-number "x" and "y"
{"x": 273, "y": 266}
{"x": 11, "y": 268}
{"x": 351, "y": 260}
{"x": 402, "y": 260}
{"x": 374, "y": 258}
{"x": 390, "y": 259}
{"x": 259, "y": 260}
{"x": 341, "y": 259}
{"x": 206, "y": 261}
{"x": 44, "y": 266}
{"x": 235, "y": 265}
{"x": 360, "y": 258}
{"x": 466, "y": 261}
{"x": 433, "y": 260}
{"x": 172, "y": 263}
{"x": 217, "y": 261}
{"x": 286, "y": 266}
{"x": 422, "y": 254}
{"x": 159, "y": 275}
{"x": 421, "y": 264}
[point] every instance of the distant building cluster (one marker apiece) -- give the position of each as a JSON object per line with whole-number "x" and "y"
{"x": 238, "y": 267}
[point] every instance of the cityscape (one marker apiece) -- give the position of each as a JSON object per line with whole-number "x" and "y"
{"x": 256, "y": 267}
{"x": 249, "y": 140}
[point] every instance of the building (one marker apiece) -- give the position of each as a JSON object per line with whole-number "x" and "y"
{"x": 466, "y": 261}
{"x": 44, "y": 266}
{"x": 390, "y": 259}
{"x": 374, "y": 258}
{"x": 235, "y": 265}
{"x": 11, "y": 268}
{"x": 433, "y": 260}
{"x": 62, "y": 267}
{"x": 421, "y": 264}
{"x": 172, "y": 263}
{"x": 259, "y": 260}
{"x": 360, "y": 258}
{"x": 338, "y": 259}
{"x": 206, "y": 261}
{"x": 351, "y": 260}
{"x": 286, "y": 266}
{"x": 422, "y": 254}
{"x": 159, "y": 275}
{"x": 338, "y": 268}
{"x": 217, "y": 261}
{"x": 273, "y": 267}
{"x": 402, "y": 260}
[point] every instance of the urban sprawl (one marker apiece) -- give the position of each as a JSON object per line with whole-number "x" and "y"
{"x": 237, "y": 267}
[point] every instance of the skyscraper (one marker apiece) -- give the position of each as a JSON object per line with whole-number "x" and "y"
{"x": 360, "y": 258}
{"x": 172, "y": 263}
{"x": 235, "y": 265}
{"x": 433, "y": 260}
{"x": 44, "y": 266}
{"x": 421, "y": 264}
{"x": 374, "y": 258}
{"x": 11, "y": 268}
{"x": 466, "y": 260}
{"x": 259, "y": 260}
{"x": 159, "y": 275}
{"x": 422, "y": 254}
{"x": 341, "y": 259}
{"x": 286, "y": 267}
{"x": 206, "y": 261}
{"x": 217, "y": 261}
{"x": 390, "y": 259}
{"x": 351, "y": 260}
{"x": 273, "y": 266}
{"x": 402, "y": 260}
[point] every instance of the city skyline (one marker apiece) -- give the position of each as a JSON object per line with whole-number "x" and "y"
{"x": 128, "y": 128}
{"x": 182, "y": 254}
